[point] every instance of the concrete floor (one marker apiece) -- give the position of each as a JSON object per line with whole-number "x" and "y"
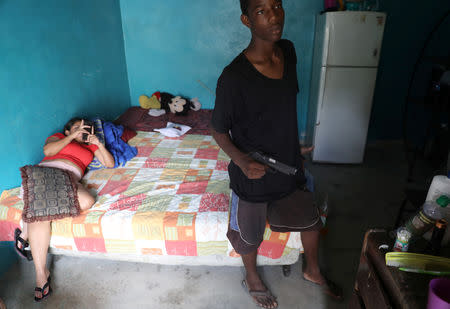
{"x": 360, "y": 197}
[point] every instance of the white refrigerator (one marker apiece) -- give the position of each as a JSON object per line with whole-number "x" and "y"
{"x": 346, "y": 53}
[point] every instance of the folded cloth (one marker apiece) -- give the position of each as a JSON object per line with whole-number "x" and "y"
{"x": 156, "y": 112}
{"x": 173, "y": 129}
{"x": 121, "y": 151}
{"x": 48, "y": 193}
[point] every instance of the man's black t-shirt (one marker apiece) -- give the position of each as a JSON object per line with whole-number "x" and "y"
{"x": 260, "y": 113}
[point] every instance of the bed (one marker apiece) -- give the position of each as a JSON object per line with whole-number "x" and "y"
{"x": 168, "y": 205}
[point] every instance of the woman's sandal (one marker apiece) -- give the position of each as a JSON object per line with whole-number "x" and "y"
{"x": 41, "y": 290}
{"x": 25, "y": 244}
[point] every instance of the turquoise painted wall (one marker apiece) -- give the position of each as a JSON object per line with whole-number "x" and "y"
{"x": 182, "y": 46}
{"x": 58, "y": 59}
{"x": 407, "y": 26}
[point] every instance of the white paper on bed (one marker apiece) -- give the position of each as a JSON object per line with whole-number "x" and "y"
{"x": 173, "y": 129}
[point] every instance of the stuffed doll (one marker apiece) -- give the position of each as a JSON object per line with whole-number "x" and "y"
{"x": 163, "y": 102}
{"x": 153, "y": 102}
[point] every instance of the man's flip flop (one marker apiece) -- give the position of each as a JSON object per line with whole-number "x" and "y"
{"x": 260, "y": 294}
{"x": 329, "y": 287}
{"x": 25, "y": 244}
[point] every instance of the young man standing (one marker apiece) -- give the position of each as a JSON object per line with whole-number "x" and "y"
{"x": 255, "y": 110}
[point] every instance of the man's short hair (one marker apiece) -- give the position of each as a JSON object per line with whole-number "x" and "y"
{"x": 244, "y": 6}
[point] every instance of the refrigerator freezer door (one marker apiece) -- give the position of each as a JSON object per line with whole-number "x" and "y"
{"x": 343, "y": 114}
{"x": 353, "y": 38}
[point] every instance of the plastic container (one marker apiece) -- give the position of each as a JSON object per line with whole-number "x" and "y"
{"x": 354, "y": 5}
{"x": 402, "y": 240}
{"x": 440, "y": 186}
{"x": 330, "y": 5}
{"x": 419, "y": 263}
{"x": 426, "y": 218}
{"x": 439, "y": 294}
{"x": 371, "y": 5}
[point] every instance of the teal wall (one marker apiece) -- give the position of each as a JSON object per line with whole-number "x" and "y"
{"x": 61, "y": 59}
{"x": 58, "y": 59}
{"x": 182, "y": 46}
{"x": 407, "y": 27}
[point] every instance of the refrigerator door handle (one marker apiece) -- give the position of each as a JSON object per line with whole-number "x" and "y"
{"x": 324, "y": 81}
{"x": 326, "y": 42}
{"x": 322, "y": 84}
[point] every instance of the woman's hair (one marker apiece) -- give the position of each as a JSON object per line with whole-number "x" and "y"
{"x": 71, "y": 122}
{"x": 244, "y": 6}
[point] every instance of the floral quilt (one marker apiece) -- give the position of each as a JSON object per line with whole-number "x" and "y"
{"x": 171, "y": 199}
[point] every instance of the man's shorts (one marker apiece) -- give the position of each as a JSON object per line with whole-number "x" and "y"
{"x": 296, "y": 212}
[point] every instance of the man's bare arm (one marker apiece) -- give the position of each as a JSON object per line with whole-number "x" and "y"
{"x": 251, "y": 168}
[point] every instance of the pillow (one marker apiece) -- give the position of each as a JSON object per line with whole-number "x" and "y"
{"x": 48, "y": 193}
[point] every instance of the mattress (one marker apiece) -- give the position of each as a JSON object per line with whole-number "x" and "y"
{"x": 168, "y": 205}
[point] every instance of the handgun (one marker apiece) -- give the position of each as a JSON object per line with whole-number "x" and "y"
{"x": 274, "y": 164}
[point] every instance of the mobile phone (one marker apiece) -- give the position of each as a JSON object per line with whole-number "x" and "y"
{"x": 84, "y": 136}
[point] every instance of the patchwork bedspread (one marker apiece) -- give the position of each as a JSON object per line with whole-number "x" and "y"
{"x": 172, "y": 199}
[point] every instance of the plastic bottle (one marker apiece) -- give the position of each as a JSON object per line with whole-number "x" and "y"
{"x": 371, "y": 5}
{"x": 426, "y": 218}
{"x": 353, "y": 5}
{"x": 441, "y": 186}
{"x": 330, "y": 5}
{"x": 402, "y": 241}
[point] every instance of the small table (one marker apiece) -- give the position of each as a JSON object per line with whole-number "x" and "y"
{"x": 379, "y": 286}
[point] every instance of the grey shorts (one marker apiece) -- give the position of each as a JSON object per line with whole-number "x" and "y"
{"x": 294, "y": 213}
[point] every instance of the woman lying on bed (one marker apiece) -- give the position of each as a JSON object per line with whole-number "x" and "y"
{"x": 71, "y": 152}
